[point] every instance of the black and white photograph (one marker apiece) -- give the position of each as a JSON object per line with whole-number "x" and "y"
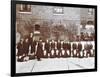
{"x": 54, "y": 38}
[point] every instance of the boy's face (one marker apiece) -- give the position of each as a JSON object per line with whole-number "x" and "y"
{"x": 26, "y": 40}
{"x": 47, "y": 40}
{"x": 40, "y": 40}
{"x": 53, "y": 41}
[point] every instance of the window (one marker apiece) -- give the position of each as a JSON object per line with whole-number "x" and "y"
{"x": 58, "y": 10}
{"x": 25, "y": 8}
{"x": 90, "y": 11}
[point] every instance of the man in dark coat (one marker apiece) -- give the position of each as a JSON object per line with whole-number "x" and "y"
{"x": 58, "y": 45}
{"x": 39, "y": 52}
{"x": 79, "y": 51}
{"x": 58, "y": 48}
{"x": 33, "y": 47}
{"x": 65, "y": 45}
{"x": 52, "y": 48}
{"x": 74, "y": 47}
{"x": 90, "y": 48}
{"x": 69, "y": 48}
{"x": 53, "y": 45}
{"x": 63, "y": 49}
{"x": 30, "y": 39}
{"x": 26, "y": 46}
{"x": 47, "y": 48}
{"x": 85, "y": 50}
{"x": 20, "y": 48}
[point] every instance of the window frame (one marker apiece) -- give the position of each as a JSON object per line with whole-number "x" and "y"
{"x": 25, "y": 11}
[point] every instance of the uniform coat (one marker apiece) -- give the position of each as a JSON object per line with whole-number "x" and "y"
{"x": 65, "y": 46}
{"x": 39, "y": 52}
{"x": 79, "y": 46}
{"x": 69, "y": 49}
{"x": 74, "y": 46}
{"x": 33, "y": 47}
{"x": 52, "y": 45}
{"x": 79, "y": 51}
{"x": 47, "y": 47}
{"x": 26, "y": 47}
{"x": 59, "y": 49}
{"x": 20, "y": 49}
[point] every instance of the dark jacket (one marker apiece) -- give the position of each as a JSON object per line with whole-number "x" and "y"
{"x": 65, "y": 45}
{"x": 74, "y": 46}
{"x": 26, "y": 47}
{"x": 20, "y": 49}
{"x": 79, "y": 46}
{"x": 52, "y": 45}
{"x": 30, "y": 40}
{"x": 90, "y": 46}
{"x": 47, "y": 46}
{"x": 39, "y": 52}
{"x": 69, "y": 46}
{"x": 58, "y": 45}
{"x": 33, "y": 46}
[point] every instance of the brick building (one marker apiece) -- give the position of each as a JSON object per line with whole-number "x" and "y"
{"x": 55, "y": 22}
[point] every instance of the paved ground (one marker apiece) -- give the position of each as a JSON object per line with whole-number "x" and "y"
{"x": 55, "y": 64}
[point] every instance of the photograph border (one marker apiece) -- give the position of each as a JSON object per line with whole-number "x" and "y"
{"x": 13, "y": 37}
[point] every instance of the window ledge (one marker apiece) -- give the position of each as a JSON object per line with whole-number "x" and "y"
{"x": 58, "y": 14}
{"x": 25, "y": 12}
